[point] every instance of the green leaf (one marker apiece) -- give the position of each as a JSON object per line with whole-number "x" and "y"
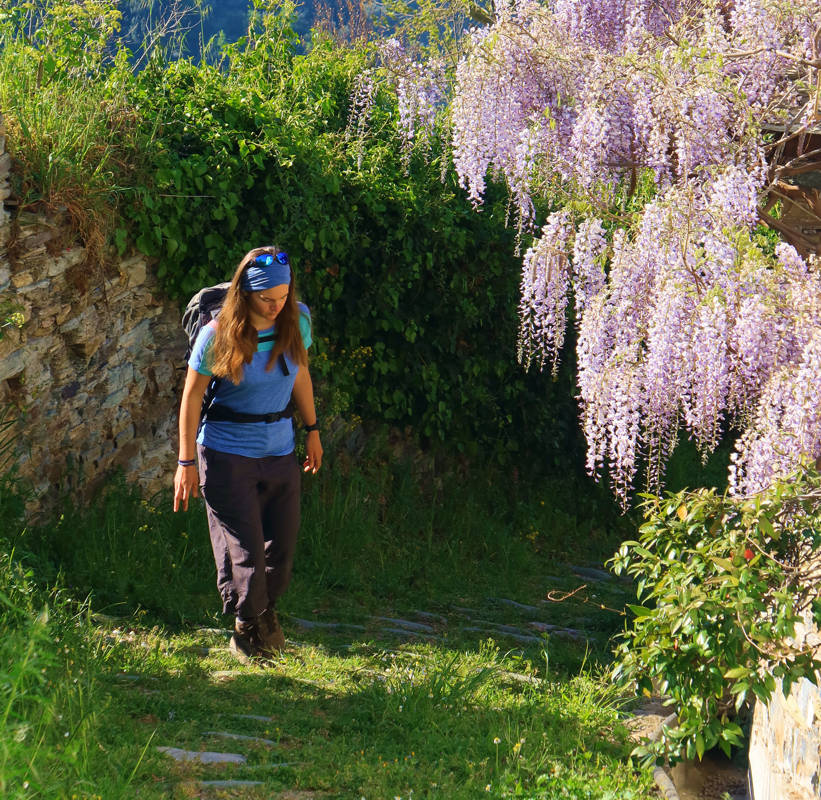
{"x": 737, "y": 672}
{"x": 767, "y": 527}
{"x": 121, "y": 240}
{"x": 146, "y": 245}
{"x": 723, "y": 563}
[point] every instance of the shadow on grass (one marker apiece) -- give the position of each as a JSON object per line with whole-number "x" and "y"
{"x": 379, "y": 723}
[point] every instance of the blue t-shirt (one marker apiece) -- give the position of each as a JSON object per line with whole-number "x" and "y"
{"x": 260, "y": 391}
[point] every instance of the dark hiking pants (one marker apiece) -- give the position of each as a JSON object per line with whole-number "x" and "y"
{"x": 253, "y": 518}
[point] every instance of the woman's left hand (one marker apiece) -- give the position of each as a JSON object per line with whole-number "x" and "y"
{"x": 313, "y": 447}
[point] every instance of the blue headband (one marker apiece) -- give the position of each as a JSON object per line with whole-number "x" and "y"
{"x": 267, "y": 271}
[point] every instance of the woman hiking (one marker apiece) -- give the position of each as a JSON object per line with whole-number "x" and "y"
{"x": 256, "y": 353}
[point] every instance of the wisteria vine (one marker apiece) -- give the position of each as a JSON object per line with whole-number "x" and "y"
{"x": 684, "y": 322}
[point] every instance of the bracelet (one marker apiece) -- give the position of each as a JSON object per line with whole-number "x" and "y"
{"x": 309, "y": 428}
{"x": 186, "y": 462}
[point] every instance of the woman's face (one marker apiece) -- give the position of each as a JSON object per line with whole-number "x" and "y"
{"x": 266, "y": 305}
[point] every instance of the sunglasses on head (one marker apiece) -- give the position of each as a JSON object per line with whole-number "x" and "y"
{"x": 266, "y": 259}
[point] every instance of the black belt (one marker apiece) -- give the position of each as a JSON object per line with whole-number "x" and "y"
{"x": 220, "y": 413}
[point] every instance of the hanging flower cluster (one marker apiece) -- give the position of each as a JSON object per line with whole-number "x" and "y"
{"x": 683, "y": 322}
{"x": 692, "y": 327}
{"x": 420, "y": 89}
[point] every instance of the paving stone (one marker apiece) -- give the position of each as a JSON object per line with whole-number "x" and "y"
{"x": 311, "y": 624}
{"x": 433, "y": 617}
{"x": 467, "y": 612}
{"x": 403, "y": 623}
{"x": 518, "y": 606}
{"x": 518, "y": 677}
{"x": 598, "y": 575}
{"x": 194, "y": 650}
{"x": 524, "y": 638}
{"x": 511, "y": 629}
{"x": 202, "y": 757}
{"x": 240, "y": 737}
{"x": 255, "y": 717}
{"x": 216, "y": 631}
{"x": 558, "y": 629}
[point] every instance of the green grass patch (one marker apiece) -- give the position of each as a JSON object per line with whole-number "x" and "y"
{"x": 411, "y": 720}
{"x": 424, "y": 654}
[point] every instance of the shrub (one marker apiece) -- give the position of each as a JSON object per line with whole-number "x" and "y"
{"x": 723, "y": 582}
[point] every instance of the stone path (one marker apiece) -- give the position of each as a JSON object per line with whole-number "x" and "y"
{"x": 498, "y": 618}
{"x": 212, "y": 757}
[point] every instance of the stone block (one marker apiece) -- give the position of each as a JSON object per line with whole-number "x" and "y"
{"x": 57, "y": 266}
{"x": 116, "y": 398}
{"x": 785, "y": 743}
{"x": 35, "y": 257}
{"x": 135, "y": 271}
{"x": 21, "y": 279}
{"x": 138, "y": 337}
{"x": 5, "y": 165}
{"x": 13, "y": 364}
{"x": 99, "y": 408}
{"x": 125, "y": 456}
{"x": 84, "y": 334}
{"x": 63, "y": 313}
{"x": 140, "y": 384}
{"x": 43, "y": 286}
{"x": 120, "y": 377}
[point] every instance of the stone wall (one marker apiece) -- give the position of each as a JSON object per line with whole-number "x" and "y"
{"x": 92, "y": 375}
{"x": 5, "y": 169}
{"x": 785, "y": 740}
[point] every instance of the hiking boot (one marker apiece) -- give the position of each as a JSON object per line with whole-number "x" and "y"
{"x": 273, "y": 639}
{"x": 246, "y": 642}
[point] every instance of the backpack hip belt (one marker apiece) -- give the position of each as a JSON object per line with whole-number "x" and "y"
{"x": 221, "y": 413}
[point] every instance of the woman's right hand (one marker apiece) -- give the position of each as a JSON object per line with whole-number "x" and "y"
{"x": 186, "y": 484}
{"x": 186, "y": 479}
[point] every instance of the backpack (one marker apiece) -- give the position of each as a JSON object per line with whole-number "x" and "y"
{"x": 201, "y": 309}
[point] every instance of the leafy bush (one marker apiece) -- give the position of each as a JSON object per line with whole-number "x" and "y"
{"x": 414, "y": 294}
{"x": 723, "y": 582}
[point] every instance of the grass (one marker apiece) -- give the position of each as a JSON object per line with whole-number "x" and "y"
{"x": 370, "y": 721}
{"x": 76, "y": 146}
{"x": 416, "y": 663}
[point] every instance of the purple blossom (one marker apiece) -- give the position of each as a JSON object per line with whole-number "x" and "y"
{"x": 588, "y": 264}
{"x": 684, "y": 324}
{"x": 545, "y": 281}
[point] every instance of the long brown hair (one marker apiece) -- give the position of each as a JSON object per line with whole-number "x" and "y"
{"x": 235, "y": 341}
